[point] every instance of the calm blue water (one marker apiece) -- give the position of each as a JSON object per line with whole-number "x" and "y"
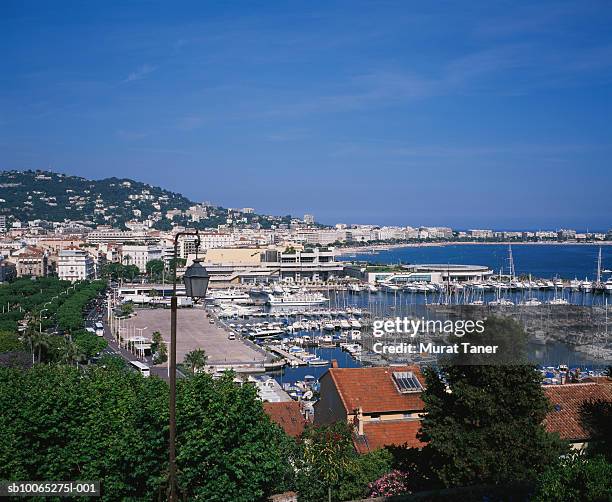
{"x": 541, "y": 260}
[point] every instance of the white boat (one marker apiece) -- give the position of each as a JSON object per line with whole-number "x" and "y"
{"x": 267, "y": 332}
{"x": 532, "y": 302}
{"x": 558, "y": 301}
{"x": 355, "y": 323}
{"x": 608, "y": 285}
{"x": 586, "y": 285}
{"x": 317, "y": 361}
{"x": 295, "y": 299}
{"x": 372, "y": 289}
{"x": 344, "y": 324}
{"x": 574, "y": 284}
{"x": 220, "y": 296}
{"x": 502, "y": 302}
{"x": 355, "y": 334}
{"x": 354, "y": 288}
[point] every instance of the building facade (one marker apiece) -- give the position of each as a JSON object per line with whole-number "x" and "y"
{"x": 75, "y": 265}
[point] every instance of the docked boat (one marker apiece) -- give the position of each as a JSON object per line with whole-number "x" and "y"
{"x": 220, "y": 296}
{"x": 296, "y": 299}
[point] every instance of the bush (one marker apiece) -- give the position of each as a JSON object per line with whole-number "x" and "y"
{"x": 576, "y": 478}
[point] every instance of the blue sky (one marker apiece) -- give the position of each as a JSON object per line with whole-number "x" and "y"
{"x": 469, "y": 114}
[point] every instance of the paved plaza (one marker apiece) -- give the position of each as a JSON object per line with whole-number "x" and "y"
{"x": 195, "y": 331}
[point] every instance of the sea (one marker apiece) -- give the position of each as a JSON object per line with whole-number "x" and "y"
{"x": 546, "y": 261}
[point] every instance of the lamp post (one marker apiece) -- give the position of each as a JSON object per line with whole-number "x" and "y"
{"x": 196, "y": 282}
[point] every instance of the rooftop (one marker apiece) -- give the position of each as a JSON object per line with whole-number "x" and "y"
{"x": 288, "y": 415}
{"x": 567, "y": 401}
{"x": 374, "y": 389}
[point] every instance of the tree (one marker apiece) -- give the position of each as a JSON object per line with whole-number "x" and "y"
{"x": 68, "y": 352}
{"x": 159, "y": 348}
{"x": 127, "y": 309}
{"x": 9, "y": 342}
{"x": 196, "y": 360}
{"x": 328, "y": 467}
{"x": 155, "y": 269}
{"x": 89, "y": 343}
{"x": 597, "y": 419}
{"x": 112, "y": 425}
{"x": 575, "y": 479}
{"x": 40, "y": 341}
{"x": 483, "y": 423}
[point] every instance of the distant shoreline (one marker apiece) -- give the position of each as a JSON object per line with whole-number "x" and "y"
{"x": 387, "y": 247}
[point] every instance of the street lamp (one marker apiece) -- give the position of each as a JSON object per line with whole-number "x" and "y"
{"x": 196, "y": 281}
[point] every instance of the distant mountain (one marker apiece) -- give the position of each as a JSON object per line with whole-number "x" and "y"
{"x": 55, "y": 197}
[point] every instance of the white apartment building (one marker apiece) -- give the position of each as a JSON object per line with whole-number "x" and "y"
{"x": 75, "y": 265}
{"x": 208, "y": 240}
{"x": 140, "y": 255}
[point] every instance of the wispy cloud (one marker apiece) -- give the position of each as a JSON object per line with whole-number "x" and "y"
{"x": 141, "y": 72}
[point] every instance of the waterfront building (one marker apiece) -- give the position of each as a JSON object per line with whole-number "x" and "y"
{"x": 389, "y": 416}
{"x": 75, "y": 265}
{"x": 480, "y": 234}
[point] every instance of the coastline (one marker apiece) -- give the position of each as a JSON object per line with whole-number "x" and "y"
{"x": 386, "y": 247}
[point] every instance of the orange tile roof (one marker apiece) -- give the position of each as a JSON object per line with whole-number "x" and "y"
{"x": 392, "y": 432}
{"x": 288, "y": 415}
{"x": 567, "y": 401}
{"x": 374, "y": 390}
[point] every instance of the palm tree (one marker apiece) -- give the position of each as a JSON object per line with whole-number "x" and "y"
{"x": 196, "y": 359}
{"x": 40, "y": 341}
{"x": 71, "y": 353}
{"x": 28, "y": 336}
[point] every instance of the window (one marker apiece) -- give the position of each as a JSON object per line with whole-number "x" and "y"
{"x": 406, "y": 382}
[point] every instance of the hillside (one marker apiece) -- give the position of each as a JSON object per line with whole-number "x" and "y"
{"x": 55, "y": 197}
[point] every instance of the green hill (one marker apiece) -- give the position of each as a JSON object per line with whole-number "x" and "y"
{"x": 55, "y": 197}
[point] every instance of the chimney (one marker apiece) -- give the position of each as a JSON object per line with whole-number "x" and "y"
{"x": 360, "y": 421}
{"x": 334, "y": 363}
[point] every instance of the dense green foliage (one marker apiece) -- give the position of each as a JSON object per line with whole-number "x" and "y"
{"x": 576, "y": 479}
{"x": 116, "y": 271}
{"x": 10, "y": 342}
{"x": 486, "y": 428}
{"x": 89, "y": 343}
{"x": 59, "y": 422}
{"x": 70, "y": 313}
{"x": 328, "y": 467}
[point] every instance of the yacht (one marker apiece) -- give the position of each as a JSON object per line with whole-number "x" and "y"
{"x": 586, "y": 285}
{"x": 228, "y": 295}
{"x": 372, "y": 289}
{"x": 575, "y": 284}
{"x": 295, "y": 299}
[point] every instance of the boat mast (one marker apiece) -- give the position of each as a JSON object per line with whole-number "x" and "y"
{"x": 511, "y": 260}
{"x": 599, "y": 267}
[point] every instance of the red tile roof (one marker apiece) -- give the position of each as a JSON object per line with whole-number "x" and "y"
{"x": 391, "y": 432}
{"x": 567, "y": 400}
{"x": 288, "y": 415}
{"x": 374, "y": 390}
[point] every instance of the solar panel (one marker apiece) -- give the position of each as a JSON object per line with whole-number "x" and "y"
{"x": 406, "y": 382}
